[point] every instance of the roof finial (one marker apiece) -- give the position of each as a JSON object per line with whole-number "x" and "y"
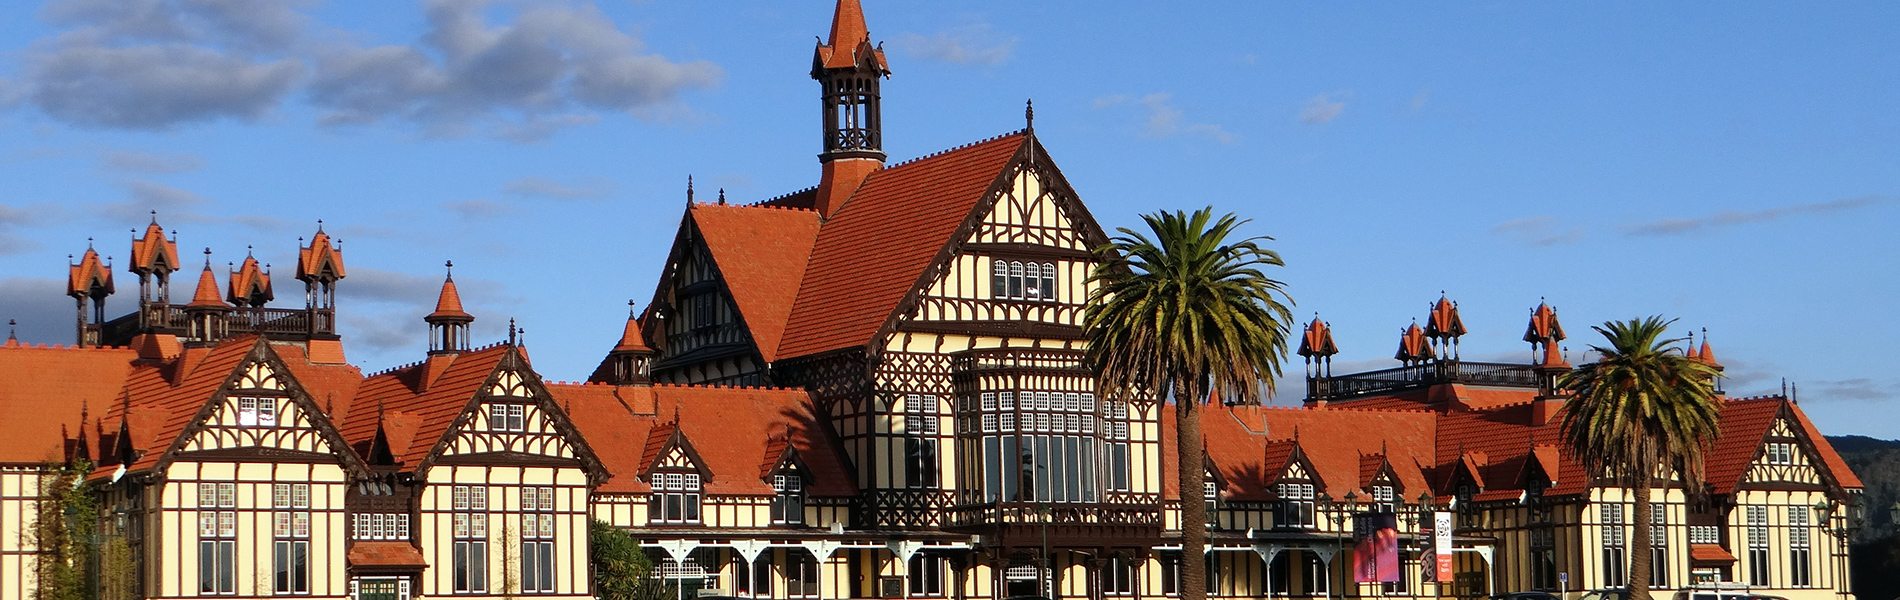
{"x": 13, "y": 330}
{"x": 689, "y": 190}
{"x": 630, "y": 311}
{"x": 207, "y": 258}
{"x": 511, "y": 331}
{"x": 155, "y": 218}
{"x": 722, "y": 196}
{"x": 1029, "y": 115}
{"x": 449, "y": 266}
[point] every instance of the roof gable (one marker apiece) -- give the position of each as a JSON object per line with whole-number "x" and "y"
{"x": 511, "y": 378}
{"x": 881, "y": 244}
{"x": 760, "y": 254}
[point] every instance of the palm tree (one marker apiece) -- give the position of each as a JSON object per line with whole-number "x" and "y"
{"x": 1186, "y": 314}
{"x": 1643, "y": 410}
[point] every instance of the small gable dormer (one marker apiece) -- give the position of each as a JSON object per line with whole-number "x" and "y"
{"x": 1380, "y": 482}
{"x": 1783, "y": 458}
{"x": 677, "y": 475}
{"x": 1295, "y": 484}
{"x": 789, "y": 477}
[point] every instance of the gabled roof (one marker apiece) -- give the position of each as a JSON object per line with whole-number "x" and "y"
{"x": 207, "y": 294}
{"x": 250, "y": 284}
{"x": 153, "y": 252}
{"x": 1745, "y": 425}
{"x": 876, "y": 247}
{"x": 761, "y": 253}
{"x": 434, "y": 392}
{"x": 89, "y": 276}
{"x": 318, "y": 257}
{"x": 448, "y": 303}
{"x": 731, "y": 428}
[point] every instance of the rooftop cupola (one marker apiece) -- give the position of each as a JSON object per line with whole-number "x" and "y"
{"x": 631, "y": 359}
{"x": 250, "y": 284}
{"x": 319, "y": 267}
{"x": 1443, "y": 327}
{"x": 848, "y": 69}
{"x": 154, "y": 258}
{"x": 448, "y": 325}
{"x": 1317, "y": 347}
{"x": 1414, "y": 348}
{"x": 89, "y": 281}
{"x": 207, "y": 309}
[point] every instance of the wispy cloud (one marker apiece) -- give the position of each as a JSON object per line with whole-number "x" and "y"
{"x": 970, "y": 45}
{"x": 1732, "y": 218}
{"x": 149, "y": 162}
{"x": 1541, "y": 230}
{"x": 40, "y": 305}
{"x": 478, "y": 208}
{"x": 542, "y": 187}
{"x": 1858, "y": 388}
{"x": 1164, "y": 119}
{"x": 1324, "y": 108}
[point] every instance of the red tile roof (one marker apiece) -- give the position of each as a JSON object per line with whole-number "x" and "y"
{"x": 1317, "y": 340}
{"x": 1710, "y": 553}
{"x": 385, "y": 554}
{"x": 1744, "y": 424}
{"x": 1444, "y": 321}
{"x": 875, "y": 248}
{"x": 761, "y": 252}
{"x": 730, "y": 428}
{"x": 1412, "y": 345}
{"x": 207, "y": 294}
{"x": 166, "y": 397}
{"x": 448, "y": 303}
{"x": 45, "y": 390}
{"x": 433, "y": 392}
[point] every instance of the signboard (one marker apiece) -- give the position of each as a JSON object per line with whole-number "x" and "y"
{"x": 1375, "y": 547}
{"x": 1441, "y": 544}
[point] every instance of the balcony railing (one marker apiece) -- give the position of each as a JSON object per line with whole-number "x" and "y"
{"x": 1418, "y": 376}
{"x": 173, "y": 318}
{"x": 1055, "y": 513}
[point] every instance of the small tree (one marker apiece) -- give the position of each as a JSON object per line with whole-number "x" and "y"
{"x": 63, "y": 531}
{"x": 622, "y": 570}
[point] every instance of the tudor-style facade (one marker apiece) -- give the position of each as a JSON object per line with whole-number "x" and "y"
{"x": 871, "y": 388}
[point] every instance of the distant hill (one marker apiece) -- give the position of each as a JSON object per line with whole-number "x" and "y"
{"x": 1877, "y": 462}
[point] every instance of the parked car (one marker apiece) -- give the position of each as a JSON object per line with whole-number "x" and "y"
{"x": 1606, "y": 594}
{"x": 1525, "y": 596}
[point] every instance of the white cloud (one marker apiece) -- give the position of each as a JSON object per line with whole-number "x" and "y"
{"x": 1163, "y": 119}
{"x": 970, "y": 45}
{"x": 1323, "y": 108}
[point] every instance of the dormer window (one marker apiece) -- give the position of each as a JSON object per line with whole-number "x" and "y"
{"x": 788, "y": 500}
{"x": 675, "y": 498}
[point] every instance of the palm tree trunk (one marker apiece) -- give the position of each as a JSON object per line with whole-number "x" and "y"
{"x": 1639, "y": 551}
{"x": 1190, "y": 464}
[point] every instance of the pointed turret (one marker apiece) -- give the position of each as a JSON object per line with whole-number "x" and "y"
{"x": 319, "y": 267}
{"x": 207, "y": 308}
{"x": 448, "y": 325}
{"x": 1544, "y": 327}
{"x": 1707, "y": 355}
{"x": 630, "y": 362}
{"x": 848, "y": 68}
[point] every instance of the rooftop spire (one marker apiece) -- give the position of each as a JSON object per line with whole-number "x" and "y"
{"x": 448, "y": 325}
{"x": 848, "y": 68}
{"x": 207, "y": 294}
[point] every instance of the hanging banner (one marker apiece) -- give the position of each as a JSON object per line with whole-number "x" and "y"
{"x": 1375, "y": 550}
{"x": 1441, "y": 544}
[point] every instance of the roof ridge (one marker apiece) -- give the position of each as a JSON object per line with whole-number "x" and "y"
{"x": 1758, "y": 398}
{"x": 396, "y": 368}
{"x": 954, "y": 149}
{"x": 764, "y": 203}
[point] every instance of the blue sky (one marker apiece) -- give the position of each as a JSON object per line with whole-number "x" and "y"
{"x": 1735, "y": 169}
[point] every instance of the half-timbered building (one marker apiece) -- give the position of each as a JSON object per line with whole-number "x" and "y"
{"x": 870, "y": 388}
